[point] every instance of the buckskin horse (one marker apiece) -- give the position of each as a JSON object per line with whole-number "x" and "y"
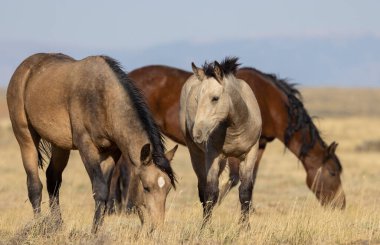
{"x": 283, "y": 114}
{"x": 90, "y": 105}
{"x": 220, "y": 118}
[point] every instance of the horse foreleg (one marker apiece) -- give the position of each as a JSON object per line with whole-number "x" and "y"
{"x": 247, "y": 177}
{"x": 108, "y": 167}
{"x": 114, "y": 197}
{"x": 58, "y": 162}
{"x": 213, "y": 165}
{"x": 93, "y": 160}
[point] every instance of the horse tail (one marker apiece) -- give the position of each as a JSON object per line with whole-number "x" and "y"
{"x": 44, "y": 153}
{"x": 16, "y": 96}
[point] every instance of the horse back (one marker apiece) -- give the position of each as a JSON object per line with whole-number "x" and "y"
{"x": 56, "y": 94}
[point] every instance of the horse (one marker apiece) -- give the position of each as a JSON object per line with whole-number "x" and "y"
{"x": 92, "y": 106}
{"x": 126, "y": 186}
{"x": 284, "y": 117}
{"x": 220, "y": 118}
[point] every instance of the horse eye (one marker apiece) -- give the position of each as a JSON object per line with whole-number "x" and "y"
{"x": 146, "y": 189}
{"x": 215, "y": 98}
{"x": 332, "y": 173}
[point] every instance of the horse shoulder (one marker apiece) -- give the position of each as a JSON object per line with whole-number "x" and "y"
{"x": 255, "y": 125}
{"x": 250, "y": 98}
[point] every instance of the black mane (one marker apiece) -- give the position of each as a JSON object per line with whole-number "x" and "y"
{"x": 300, "y": 119}
{"x": 150, "y": 126}
{"x": 229, "y": 66}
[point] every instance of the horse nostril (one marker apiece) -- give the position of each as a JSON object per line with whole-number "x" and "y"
{"x": 198, "y": 133}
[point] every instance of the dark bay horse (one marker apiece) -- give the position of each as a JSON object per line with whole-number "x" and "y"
{"x": 220, "y": 118}
{"x": 283, "y": 117}
{"x": 90, "y": 105}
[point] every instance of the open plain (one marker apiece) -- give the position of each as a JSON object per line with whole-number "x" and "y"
{"x": 286, "y": 211}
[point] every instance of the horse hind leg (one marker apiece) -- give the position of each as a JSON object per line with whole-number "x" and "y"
{"x": 28, "y": 140}
{"x": 247, "y": 178}
{"x": 198, "y": 163}
{"x": 233, "y": 179}
{"x": 58, "y": 162}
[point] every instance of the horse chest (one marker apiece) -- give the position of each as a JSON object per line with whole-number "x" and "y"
{"x": 235, "y": 149}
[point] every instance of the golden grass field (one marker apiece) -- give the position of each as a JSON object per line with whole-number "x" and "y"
{"x": 286, "y": 211}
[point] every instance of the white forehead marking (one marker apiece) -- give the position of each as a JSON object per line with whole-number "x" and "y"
{"x": 161, "y": 181}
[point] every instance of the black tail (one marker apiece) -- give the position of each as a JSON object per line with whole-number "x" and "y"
{"x": 44, "y": 153}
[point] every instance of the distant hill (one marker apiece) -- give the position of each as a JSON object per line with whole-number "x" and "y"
{"x": 322, "y": 102}
{"x": 307, "y": 61}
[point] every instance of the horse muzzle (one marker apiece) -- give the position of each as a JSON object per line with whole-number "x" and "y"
{"x": 199, "y": 136}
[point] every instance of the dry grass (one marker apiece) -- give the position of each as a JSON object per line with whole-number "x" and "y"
{"x": 287, "y": 212}
{"x": 342, "y": 102}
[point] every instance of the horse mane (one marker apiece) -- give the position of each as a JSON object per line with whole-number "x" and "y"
{"x": 229, "y": 66}
{"x": 150, "y": 126}
{"x": 300, "y": 119}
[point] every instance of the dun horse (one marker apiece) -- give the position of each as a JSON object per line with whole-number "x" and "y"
{"x": 220, "y": 118}
{"x": 90, "y": 105}
{"x": 283, "y": 116}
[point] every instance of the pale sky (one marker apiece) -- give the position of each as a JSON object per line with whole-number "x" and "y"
{"x": 314, "y": 42}
{"x": 142, "y": 24}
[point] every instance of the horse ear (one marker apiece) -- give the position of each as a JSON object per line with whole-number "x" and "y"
{"x": 218, "y": 71}
{"x": 198, "y": 72}
{"x": 145, "y": 155}
{"x": 332, "y": 148}
{"x": 170, "y": 154}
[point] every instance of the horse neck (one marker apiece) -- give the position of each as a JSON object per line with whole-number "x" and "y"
{"x": 238, "y": 111}
{"x": 127, "y": 131}
{"x": 131, "y": 141}
{"x": 314, "y": 157}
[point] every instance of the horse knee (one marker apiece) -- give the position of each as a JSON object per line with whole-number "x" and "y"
{"x": 100, "y": 191}
{"x": 212, "y": 193}
{"x": 245, "y": 193}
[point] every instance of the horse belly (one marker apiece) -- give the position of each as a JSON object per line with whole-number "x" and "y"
{"x": 54, "y": 128}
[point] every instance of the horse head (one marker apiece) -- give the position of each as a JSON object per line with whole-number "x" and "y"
{"x": 212, "y": 98}
{"x": 156, "y": 186}
{"x": 325, "y": 181}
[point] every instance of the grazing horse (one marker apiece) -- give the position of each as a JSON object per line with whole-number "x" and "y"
{"x": 125, "y": 185}
{"x": 283, "y": 117}
{"x": 220, "y": 118}
{"x": 90, "y": 105}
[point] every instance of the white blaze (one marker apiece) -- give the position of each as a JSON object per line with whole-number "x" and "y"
{"x": 161, "y": 181}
